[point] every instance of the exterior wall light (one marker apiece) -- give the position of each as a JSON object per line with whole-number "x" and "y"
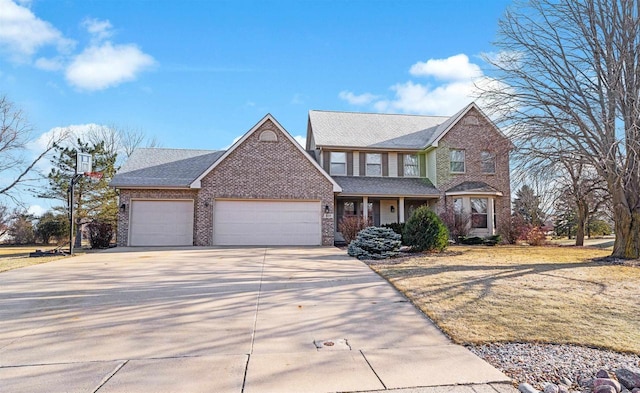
{"x": 326, "y": 209}
{"x": 123, "y": 208}
{"x": 393, "y": 209}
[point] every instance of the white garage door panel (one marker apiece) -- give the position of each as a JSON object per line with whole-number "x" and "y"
{"x": 161, "y": 223}
{"x": 262, "y": 223}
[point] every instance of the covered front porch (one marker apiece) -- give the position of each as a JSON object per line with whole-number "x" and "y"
{"x": 380, "y": 200}
{"x": 380, "y": 210}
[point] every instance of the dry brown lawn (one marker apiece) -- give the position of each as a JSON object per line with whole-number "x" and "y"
{"x": 15, "y": 257}
{"x": 480, "y": 294}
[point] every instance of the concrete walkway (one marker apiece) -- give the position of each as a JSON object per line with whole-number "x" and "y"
{"x": 222, "y": 320}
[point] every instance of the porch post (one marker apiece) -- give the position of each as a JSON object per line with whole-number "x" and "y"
{"x": 490, "y": 209}
{"x": 401, "y": 209}
{"x": 365, "y": 208}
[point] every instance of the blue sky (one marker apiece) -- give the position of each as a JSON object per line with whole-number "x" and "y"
{"x": 198, "y": 74}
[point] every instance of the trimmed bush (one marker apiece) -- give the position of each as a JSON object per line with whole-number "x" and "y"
{"x": 375, "y": 243}
{"x": 100, "y": 234}
{"x": 350, "y": 226}
{"x": 471, "y": 240}
{"x": 425, "y": 231}
{"x": 398, "y": 227}
{"x": 492, "y": 240}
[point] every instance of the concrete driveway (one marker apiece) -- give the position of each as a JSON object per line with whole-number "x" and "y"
{"x": 222, "y": 320}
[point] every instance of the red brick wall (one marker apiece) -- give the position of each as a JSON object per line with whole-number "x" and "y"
{"x": 263, "y": 170}
{"x": 475, "y": 134}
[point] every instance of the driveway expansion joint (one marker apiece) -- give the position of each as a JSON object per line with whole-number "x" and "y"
{"x": 109, "y": 376}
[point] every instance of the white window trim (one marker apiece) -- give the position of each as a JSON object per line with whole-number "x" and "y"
{"x": 464, "y": 161}
{"x": 366, "y": 164}
{"x": 404, "y": 166}
{"x": 331, "y": 162}
{"x": 486, "y": 213}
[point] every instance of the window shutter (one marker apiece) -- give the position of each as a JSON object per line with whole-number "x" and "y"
{"x": 326, "y": 160}
{"x": 400, "y": 165}
{"x": 349, "y": 163}
{"x": 385, "y": 164}
{"x": 423, "y": 165}
{"x": 363, "y": 164}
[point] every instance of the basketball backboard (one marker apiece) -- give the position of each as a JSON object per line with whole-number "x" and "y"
{"x": 83, "y": 163}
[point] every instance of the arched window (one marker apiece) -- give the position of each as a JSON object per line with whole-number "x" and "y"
{"x": 268, "y": 136}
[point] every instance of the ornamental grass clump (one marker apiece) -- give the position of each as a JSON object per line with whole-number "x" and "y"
{"x": 425, "y": 231}
{"x": 375, "y": 243}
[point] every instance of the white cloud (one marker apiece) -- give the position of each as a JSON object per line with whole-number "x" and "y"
{"x": 361, "y": 99}
{"x": 99, "y": 29}
{"x": 36, "y": 210}
{"x": 302, "y": 140}
{"x": 65, "y": 136}
{"x": 68, "y": 134}
{"x": 453, "y": 68}
{"x": 22, "y": 33}
{"x": 99, "y": 66}
{"x": 52, "y": 64}
{"x": 106, "y": 65}
{"x": 457, "y": 81}
{"x": 413, "y": 97}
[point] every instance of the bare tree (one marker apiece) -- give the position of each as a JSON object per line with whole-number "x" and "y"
{"x": 568, "y": 75}
{"x": 122, "y": 141}
{"x": 5, "y": 219}
{"x": 587, "y": 192}
{"x": 15, "y": 134}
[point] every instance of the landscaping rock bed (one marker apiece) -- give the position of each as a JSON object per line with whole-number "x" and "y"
{"x": 556, "y": 368}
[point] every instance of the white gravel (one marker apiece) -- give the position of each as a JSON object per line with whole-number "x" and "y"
{"x": 539, "y": 363}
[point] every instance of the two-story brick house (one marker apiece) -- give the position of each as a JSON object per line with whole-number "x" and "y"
{"x": 394, "y": 163}
{"x": 266, "y": 189}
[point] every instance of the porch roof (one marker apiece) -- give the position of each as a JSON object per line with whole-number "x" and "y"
{"x": 473, "y": 187}
{"x": 386, "y": 186}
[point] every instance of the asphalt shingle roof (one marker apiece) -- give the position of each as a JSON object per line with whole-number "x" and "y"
{"x": 372, "y": 186}
{"x": 374, "y": 130}
{"x": 158, "y": 167}
{"x": 473, "y": 186}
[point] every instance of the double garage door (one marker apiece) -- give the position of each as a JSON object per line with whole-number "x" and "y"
{"x": 236, "y": 222}
{"x": 262, "y": 223}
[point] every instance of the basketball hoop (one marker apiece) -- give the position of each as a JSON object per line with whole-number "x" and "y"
{"x": 94, "y": 176}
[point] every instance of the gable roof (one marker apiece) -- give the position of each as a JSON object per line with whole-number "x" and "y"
{"x": 372, "y": 130}
{"x": 447, "y": 125}
{"x": 383, "y": 131}
{"x": 386, "y": 186}
{"x": 268, "y": 117}
{"x": 473, "y": 187}
{"x": 159, "y": 167}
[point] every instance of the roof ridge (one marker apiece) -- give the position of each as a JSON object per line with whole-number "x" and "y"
{"x": 377, "y": 113}
{"x": 178, "y": 148}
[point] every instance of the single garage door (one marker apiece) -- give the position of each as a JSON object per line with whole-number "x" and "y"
{"x": 161, "y": 223}
{"x": 267, "y": 223}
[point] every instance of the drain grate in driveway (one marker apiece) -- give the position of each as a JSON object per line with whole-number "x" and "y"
{"x": 340, "y": 344}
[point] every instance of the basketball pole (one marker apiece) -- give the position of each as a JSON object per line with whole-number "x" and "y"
{"x": 72, "y": 183}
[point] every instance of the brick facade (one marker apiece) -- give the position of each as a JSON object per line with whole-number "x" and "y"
{"x": 256, "y": 169}
{"x": 474, "y": 134}
{"x": 263, "y": 170}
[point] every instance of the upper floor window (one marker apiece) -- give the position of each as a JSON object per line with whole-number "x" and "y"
{"x": 338, "y": 163}
{"x": 374, "y": 164}
{"x": 488, "y": 162}
{"x": 411, "y": 167}
{"x": 456, "y": 158}
{"x": 479, "y": 212}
